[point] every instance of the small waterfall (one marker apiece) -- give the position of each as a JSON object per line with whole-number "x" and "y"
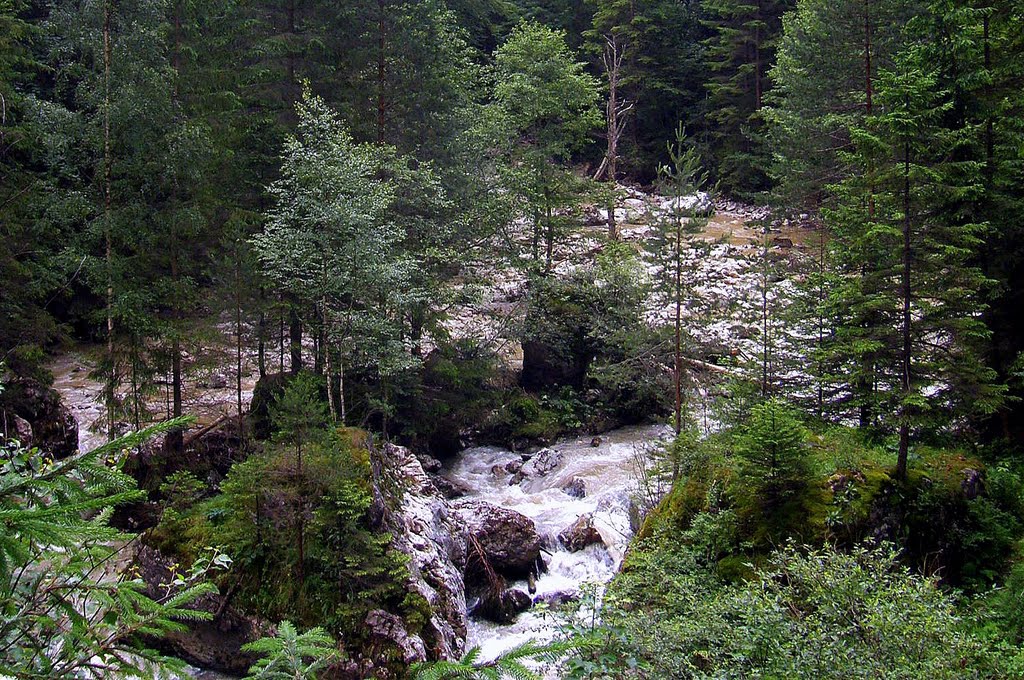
{"x": 607, "y": 474}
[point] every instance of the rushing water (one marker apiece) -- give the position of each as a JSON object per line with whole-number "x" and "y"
{"x": 607, "y": 470}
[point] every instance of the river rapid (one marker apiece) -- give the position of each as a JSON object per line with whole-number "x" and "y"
{"x": 608, "y": 472}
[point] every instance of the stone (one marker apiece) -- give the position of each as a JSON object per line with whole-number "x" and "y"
{"x": 449, "y": 488}
{"x": 425, "y": 528}
{"x": 504, "y": 607}
{"x": 387, "y": 634}
{"x": 595, "y": 442}
{"x": 972, "y": 484}
{"x": 508, "y": 539}
{"x": 53, "y": 427}
{"x": 580, "y": 534}
{"x": 557, "y": 598}
{"x": 546, "y": 367}
{"x": 215, "y": 381}
{"x": 576, "y": 487}
{"x": 22, "y": 430}
{"x": 513, "y": 466}
{"x": 430, "y": 464}
{"x": 541, "y": 464}
{"x": 215, "y": 644}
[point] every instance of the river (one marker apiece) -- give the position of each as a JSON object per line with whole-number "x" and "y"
{"x": 608, "y": 473}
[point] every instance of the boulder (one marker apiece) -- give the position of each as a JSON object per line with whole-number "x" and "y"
{"x": 213, "y": 645}
{"x": 580, "y": 534}
{"x": 543, "y": 463}
{"x": 20, "y": 429}
{"x": 408, "y": 505}
{"x": 449, "y": 488}
{"x": 972, "y": 484}
{"x": 576, "y": 487}
{"x": 508, "y": 539}
{"x": 545, "y": 367}
{"x": 53, "y": 428}
{"x": 386, "y": 635}
{"x": 504, "y": 606}
{"x": 558, "y": 598}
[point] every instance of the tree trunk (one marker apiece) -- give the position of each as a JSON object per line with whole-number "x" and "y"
{"x": 107, "y": 227}
{"x": 679, "y": 326}
{"x": 238, "y": 337}
{"x": 905, "y": 291}
{"x": 381, "y": 70}
{"x": 175, "y": 437}
{"x": 295, "y": 339}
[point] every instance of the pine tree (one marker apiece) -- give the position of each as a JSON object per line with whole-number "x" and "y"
{"x": 740, "y": 52}
{"x": 816, "y": 99}
{"x": 62, "y": 614}
{"x": 682, "y": 180}
{"x": 912, "y": 288}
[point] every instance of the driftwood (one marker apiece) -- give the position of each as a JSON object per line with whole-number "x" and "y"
{"x": 202, "y": 432}
{"x": 715, "y": 368}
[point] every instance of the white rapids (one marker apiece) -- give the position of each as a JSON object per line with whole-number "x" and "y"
{"x": 608, "y": 471}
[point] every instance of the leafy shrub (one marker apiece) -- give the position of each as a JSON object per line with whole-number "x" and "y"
{"x": 806, "y": 614}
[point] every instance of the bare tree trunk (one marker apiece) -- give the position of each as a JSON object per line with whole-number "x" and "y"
{"x": 381, "y": 71}
{"x": 679, "y": 325}
{"x": 295, "y": 339}
{"x": 107, "y": 227}
{"x": 904, "y": 445}
{"x": 238, "y": 335}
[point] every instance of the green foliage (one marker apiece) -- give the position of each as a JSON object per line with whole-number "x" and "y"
{"x": 773, "y": 448}
{"x": 544, "y": 106}
{"x": 60, "y": 609}
{"x": 805, "y": 614}
{"x": 301, "y": 532}
{"x": 290, "y": 655}
{"x": 518, "y": 663}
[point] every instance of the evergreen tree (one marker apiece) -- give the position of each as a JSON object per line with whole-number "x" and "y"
{"x": 740, "y": 52}
{"x": 912, "y": 290}
{"x": 330, "y": 243}
{"x": 823, "y": 85}
{"x": 682, "y": 180}
{"x": 61, "y": 614}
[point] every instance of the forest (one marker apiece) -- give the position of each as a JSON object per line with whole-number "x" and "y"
{"x": 441, "y": 339}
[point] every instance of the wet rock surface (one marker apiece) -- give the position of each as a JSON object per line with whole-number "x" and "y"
{"x": 580, "y": 534}
{"x": 504, "y": 606}
{"x": 408, "y": 505}
{"x": 508, "y": 539}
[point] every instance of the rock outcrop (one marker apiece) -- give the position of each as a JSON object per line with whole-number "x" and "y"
{"x": 540, "y": 464}
{"x": 51, "y": 425}
{"x": 215, "y": 644}
{"x": 508, "y": 539}
{"x": 409, "y": 506}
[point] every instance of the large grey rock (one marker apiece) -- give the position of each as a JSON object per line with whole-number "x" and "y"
{"x": 409, "y": 506}
{"x": 504, "y": 606}
{"x": 386, "y": 633}
{"x": 541, "y": 464}
{"x": 508, "y": 539}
